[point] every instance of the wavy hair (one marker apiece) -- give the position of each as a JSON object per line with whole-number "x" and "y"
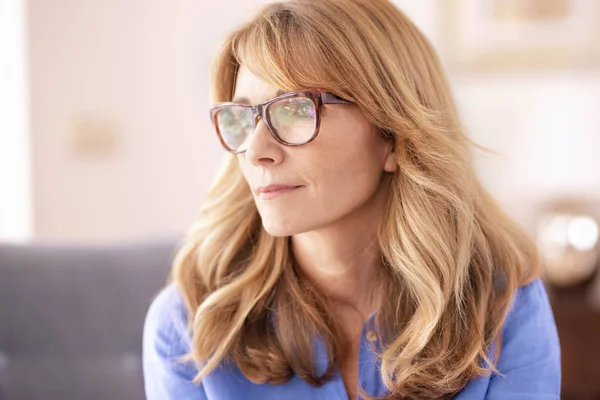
{"x": 451, "y": 257}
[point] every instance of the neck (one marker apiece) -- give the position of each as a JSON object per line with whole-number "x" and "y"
{"x": 343, "y": 259}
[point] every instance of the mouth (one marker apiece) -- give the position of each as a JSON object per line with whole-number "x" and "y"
{"x": 273, "y": 191}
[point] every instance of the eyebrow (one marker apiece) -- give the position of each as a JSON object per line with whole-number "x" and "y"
{"x": 244, "y": 100}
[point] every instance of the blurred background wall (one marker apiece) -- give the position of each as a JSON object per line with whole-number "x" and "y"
{"x": 105, "y": 137}
{"x": 120, "y": 145}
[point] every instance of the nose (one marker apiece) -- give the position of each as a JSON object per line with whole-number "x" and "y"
{"x": 263, "y": 149}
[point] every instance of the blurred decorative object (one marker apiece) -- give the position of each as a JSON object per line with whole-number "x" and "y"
{"x": 567, "y": 233}
{"x": 568, "y": 236}
{"x": 518, "y": 34}
{"x": 569, "y": 245}
{"x": 93, "y": 136}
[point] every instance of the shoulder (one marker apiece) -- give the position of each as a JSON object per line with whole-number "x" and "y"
{"x": 529, "y": 362}
{"x": 165, "y": 326}
{"x": 531, "y": 314}
{"x": 168, "y": 373}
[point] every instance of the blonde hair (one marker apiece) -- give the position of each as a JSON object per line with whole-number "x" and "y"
{"x": 452, "y": 258}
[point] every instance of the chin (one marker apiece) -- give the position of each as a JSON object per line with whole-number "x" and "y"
{"x": 279, "y": 230}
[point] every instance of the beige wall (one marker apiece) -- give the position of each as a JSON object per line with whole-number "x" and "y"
{"x": 138, "y": 70}
{"x": 547, "y": 128}
{"x": 142, "y": 68}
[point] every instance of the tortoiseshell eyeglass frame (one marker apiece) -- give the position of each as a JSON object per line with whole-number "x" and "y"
{"x": 317, "y": 96}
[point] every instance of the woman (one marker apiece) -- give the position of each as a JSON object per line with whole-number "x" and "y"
{"x": 347, "y": 249}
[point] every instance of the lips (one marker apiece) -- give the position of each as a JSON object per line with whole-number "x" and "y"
{"x": 272, "y": 191}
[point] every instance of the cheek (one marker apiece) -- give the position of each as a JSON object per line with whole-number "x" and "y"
{"x": 347, "y": 176}
{"x": 244, "y": 167}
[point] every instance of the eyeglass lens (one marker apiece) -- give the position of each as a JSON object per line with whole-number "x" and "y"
{"x": 293, "y": 120}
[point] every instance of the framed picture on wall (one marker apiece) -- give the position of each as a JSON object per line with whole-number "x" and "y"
{"x": 518, "y": 34}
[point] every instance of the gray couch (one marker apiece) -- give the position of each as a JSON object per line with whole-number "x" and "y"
{"x": 71, "y": 318}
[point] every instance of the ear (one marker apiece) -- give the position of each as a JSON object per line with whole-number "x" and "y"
{"x": 390, "y": 164}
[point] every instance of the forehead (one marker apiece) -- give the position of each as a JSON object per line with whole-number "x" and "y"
{"x": 251, "y": 89}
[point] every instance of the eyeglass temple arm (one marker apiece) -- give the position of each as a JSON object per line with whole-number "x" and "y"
{"x": 330, "y": 98}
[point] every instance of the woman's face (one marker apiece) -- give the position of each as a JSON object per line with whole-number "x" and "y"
{"x": 333, "y": 177}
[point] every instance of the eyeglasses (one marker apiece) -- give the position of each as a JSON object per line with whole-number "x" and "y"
{"x": 293, "y": 119}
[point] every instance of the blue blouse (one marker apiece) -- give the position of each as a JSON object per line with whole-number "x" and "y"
{"x": 529, "y": 361}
